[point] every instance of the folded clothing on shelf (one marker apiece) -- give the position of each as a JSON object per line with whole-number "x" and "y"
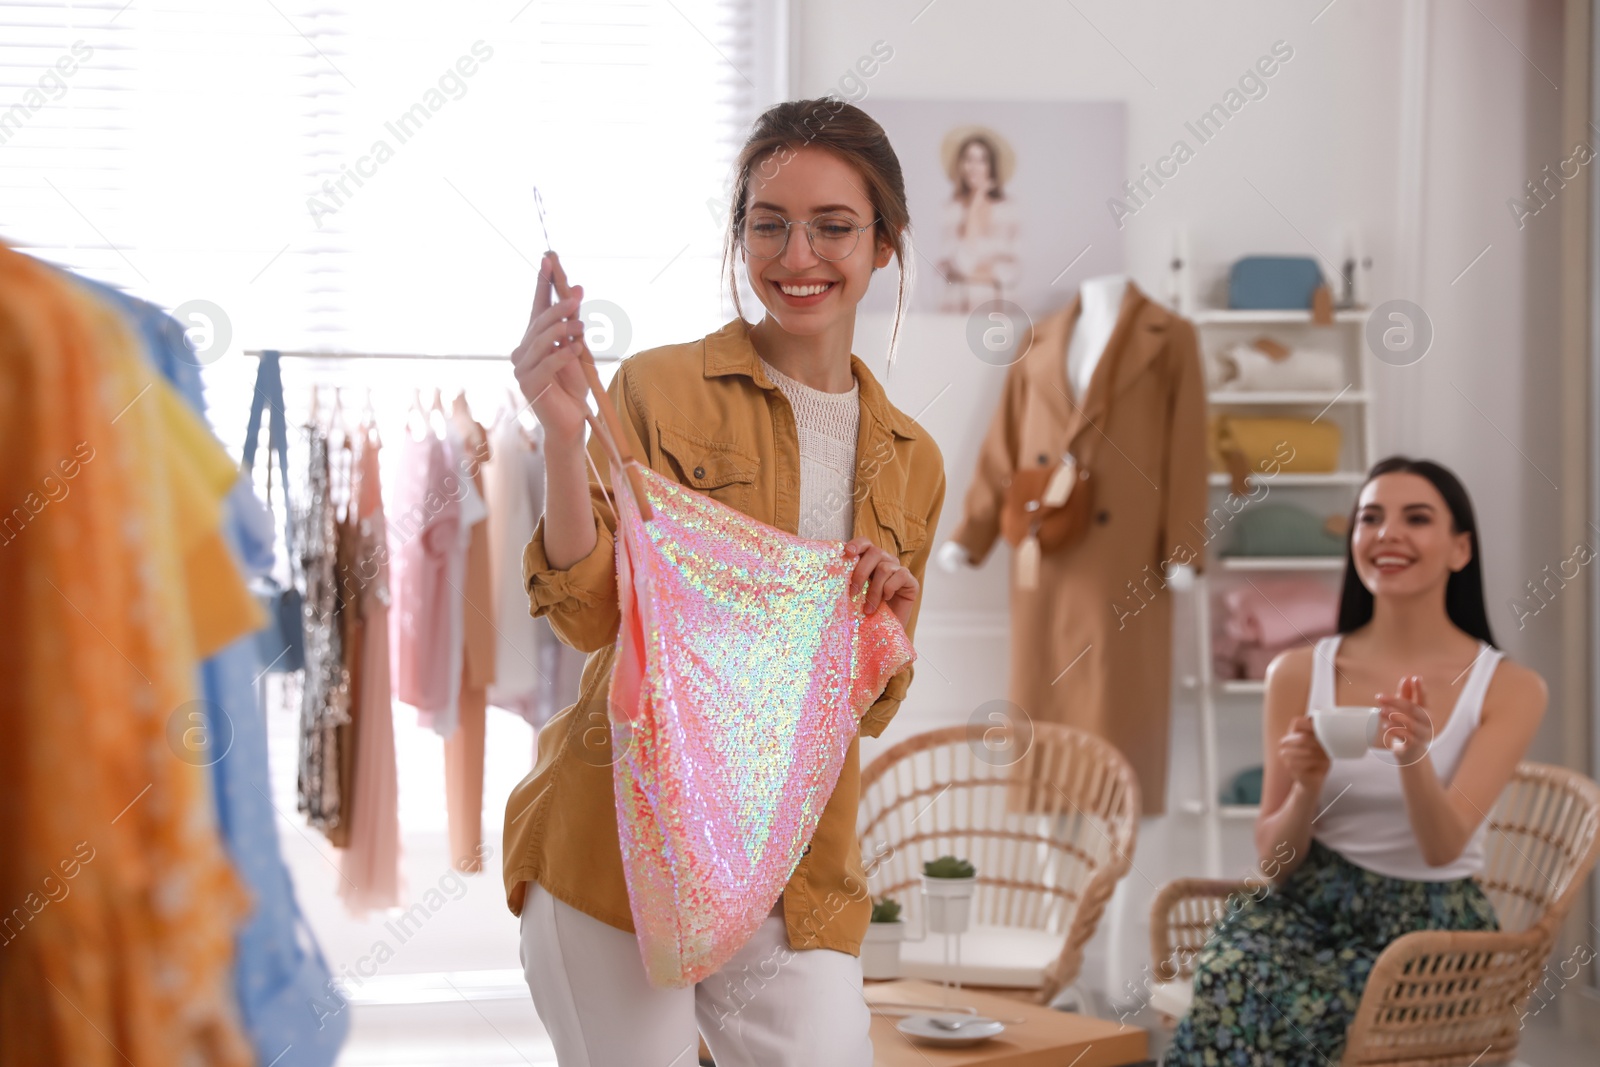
{"x": 1244, "y": 787}
{"x": 1276, "y": 529}
{"x": 1268, "y": 364}
{"x": 1263, "y": 617}
{"x": 1269, "y": 444}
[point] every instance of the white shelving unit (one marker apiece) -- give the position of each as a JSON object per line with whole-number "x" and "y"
{"x": 1351, "y": 406}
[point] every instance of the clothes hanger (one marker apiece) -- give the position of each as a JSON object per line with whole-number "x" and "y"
{"x": 369, "y": 422}
{"x": 343, "y": 478}
{"x": 461, "y": 415}
{"x": 607, "y": 424}
{"x": 437, "y": 420}
{"x": 417, "y": 418}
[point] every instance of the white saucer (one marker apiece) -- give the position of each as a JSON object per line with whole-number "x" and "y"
{"x": 975, "y": 1028}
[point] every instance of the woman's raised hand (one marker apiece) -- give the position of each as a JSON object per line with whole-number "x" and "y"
{"x": 1303, "y": 754}
{"x": 1406, "y": 727}
{"x": 888, "y": 582}
{"x": 546, "y": 362}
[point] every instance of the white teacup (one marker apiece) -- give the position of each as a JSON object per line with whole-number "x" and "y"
{"x": 1346, "y": 732}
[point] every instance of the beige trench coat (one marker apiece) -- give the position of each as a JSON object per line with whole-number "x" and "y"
{"x": 1091, "y": 646}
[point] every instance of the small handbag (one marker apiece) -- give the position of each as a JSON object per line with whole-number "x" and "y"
{"x": 282, "y": 641}
{"x": 1277, "y": 283}
{"x": 1046, "y": 509}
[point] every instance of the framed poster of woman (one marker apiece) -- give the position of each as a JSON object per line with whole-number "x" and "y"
{"x": 978, "y": 227}
{"x": 1008, "y": 198}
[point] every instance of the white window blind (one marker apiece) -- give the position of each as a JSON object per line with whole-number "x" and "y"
{"x": 358, "y": 176}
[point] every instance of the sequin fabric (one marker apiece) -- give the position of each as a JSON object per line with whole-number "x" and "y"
{"x": 743, "y": 665}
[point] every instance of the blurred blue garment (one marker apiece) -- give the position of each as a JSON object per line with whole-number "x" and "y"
{"x": 290, "y": 1008}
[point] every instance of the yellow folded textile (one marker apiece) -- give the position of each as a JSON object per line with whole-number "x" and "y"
{"x": 1267, "y": 445}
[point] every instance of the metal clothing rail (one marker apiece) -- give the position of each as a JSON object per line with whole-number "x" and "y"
{"x": 407, "y": 355}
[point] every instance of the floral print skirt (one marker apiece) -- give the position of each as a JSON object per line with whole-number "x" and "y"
{"x": 1280, "y": 977}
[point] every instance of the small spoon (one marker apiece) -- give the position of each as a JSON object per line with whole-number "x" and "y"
{"x": 956, "y": 1024}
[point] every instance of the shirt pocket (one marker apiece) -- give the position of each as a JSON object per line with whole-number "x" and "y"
{"x": 718, "y": 469}
{"x": 905, "y": 532}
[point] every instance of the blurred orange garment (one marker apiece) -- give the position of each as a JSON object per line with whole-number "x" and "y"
{"x": 118, "y": 906}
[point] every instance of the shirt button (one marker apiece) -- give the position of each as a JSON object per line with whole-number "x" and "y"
{"x": 699, "y": 472}
{"x": 806, "y": 851}
{"x": 1103, "y": 517}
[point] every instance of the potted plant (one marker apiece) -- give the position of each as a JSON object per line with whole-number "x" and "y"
{"x": 947, "y": 885}
{"x": 880, "y": 952}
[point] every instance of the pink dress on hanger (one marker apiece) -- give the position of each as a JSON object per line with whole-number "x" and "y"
{"x": 422, "y": 536}
{"x": 370, "y": 865}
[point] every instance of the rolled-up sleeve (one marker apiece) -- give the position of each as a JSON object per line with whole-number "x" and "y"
{"x": 877, "y": 717}
{"x": 581, "y": 600}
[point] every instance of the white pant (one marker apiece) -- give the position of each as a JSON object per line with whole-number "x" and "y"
{"x": 770, "y": 1005}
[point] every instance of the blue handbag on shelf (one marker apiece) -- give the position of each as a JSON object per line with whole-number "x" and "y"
{"x": 282, "y": 641}
{"x": 1273, "y": 283}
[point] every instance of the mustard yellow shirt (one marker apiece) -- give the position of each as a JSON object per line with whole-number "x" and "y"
{"x": 706, "y": 415}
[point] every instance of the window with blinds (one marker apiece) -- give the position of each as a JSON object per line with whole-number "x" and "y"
{"x": 359, "y": 176}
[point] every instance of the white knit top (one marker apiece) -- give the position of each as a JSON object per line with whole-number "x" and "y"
{"x": 828, "y": 425}
{"x": 1363, "y": 804}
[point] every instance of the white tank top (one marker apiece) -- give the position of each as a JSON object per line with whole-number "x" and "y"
{"x": 1363, "y": 807}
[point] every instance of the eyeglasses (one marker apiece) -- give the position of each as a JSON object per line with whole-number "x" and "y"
{"x": 833, "y": 237}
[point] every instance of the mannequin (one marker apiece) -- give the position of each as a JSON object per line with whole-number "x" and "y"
{"x": 1101, "y": 301}
{"x": 1100, "y": 304}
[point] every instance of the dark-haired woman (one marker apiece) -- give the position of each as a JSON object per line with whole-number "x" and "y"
{"x": 782, "y": 422}
{"x": 1368, "y": 849}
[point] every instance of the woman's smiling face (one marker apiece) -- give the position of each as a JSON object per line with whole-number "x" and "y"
{"x": 804, "y": 293}
{"x": 976, "y": 166}
{"x": 1404, "y": 540}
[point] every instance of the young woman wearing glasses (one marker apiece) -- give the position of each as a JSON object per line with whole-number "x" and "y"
{"x": 779, "y": 420}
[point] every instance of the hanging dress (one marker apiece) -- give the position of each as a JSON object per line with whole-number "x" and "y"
{"x": 370, "y": 866}
{"x": 325, "y": 694}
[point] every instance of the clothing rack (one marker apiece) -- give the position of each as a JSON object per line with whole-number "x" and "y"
{"x": 407, "y": 355}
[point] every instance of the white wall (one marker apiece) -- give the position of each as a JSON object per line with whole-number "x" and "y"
{"x": 1297, "y": 171}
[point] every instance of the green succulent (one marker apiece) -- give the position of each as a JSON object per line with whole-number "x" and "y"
{"x": 948, "y": 867}
{"x": 886, "y": 910}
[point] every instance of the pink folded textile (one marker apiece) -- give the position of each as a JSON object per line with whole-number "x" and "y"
{"x": 1276, "y": 613}
{"x": 1253, "y": 661}
{"x": 743, "y": 666}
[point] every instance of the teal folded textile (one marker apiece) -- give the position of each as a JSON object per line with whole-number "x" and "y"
{"x": 1245, "y": 787}
{"x": 1282, "y": 530}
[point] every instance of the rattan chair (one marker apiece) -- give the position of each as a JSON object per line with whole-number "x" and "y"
{"x": 1050, "y": 834}
{"x": 1440, "y": 998}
